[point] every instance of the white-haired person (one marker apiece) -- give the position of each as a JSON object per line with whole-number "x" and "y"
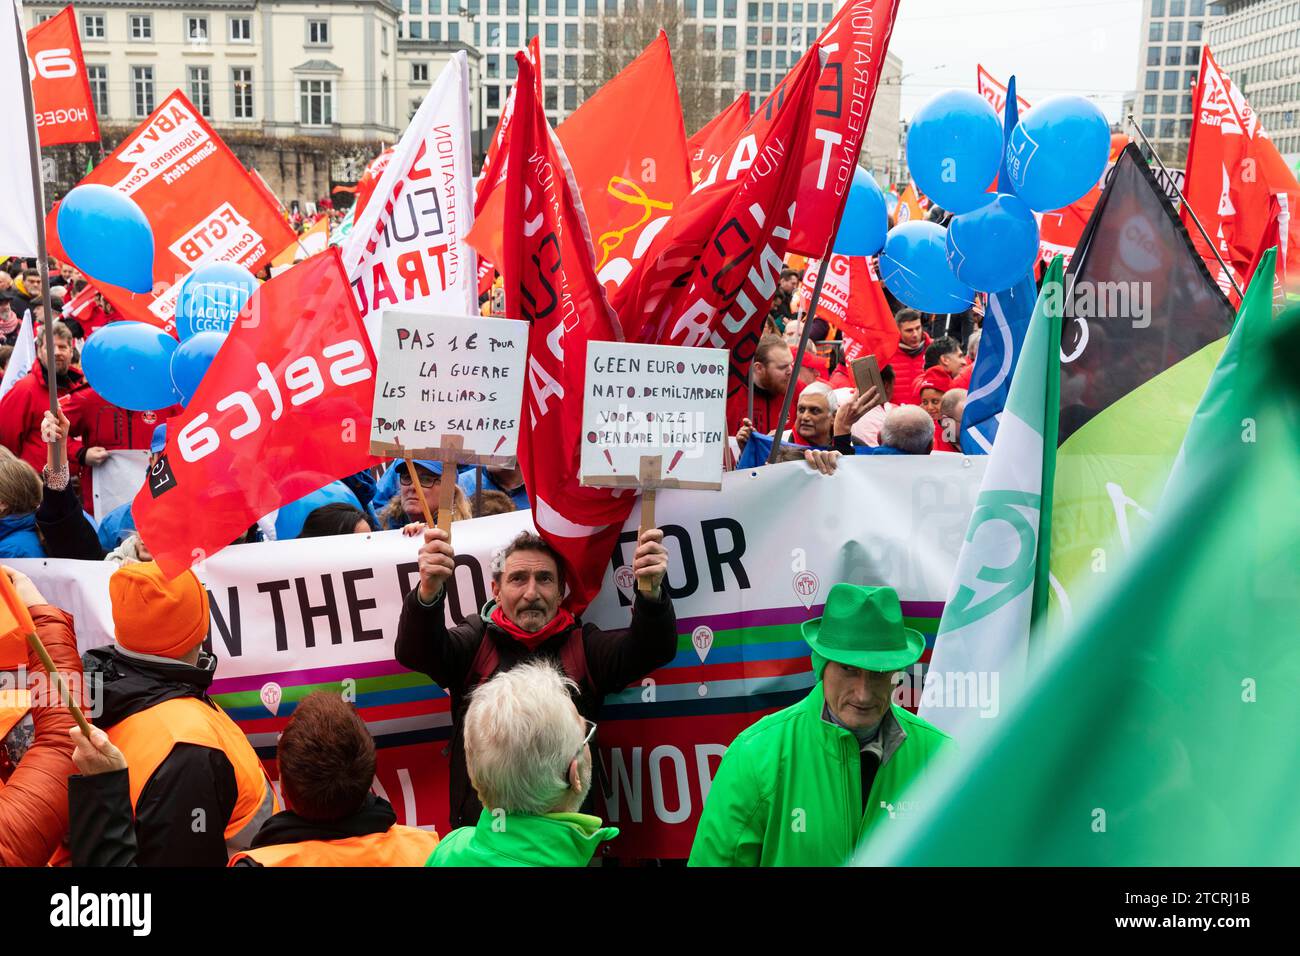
{"x": 529, "y": 759}
{"x": 907, "y": 430}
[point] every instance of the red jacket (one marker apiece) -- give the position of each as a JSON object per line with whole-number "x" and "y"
{"x": 21, "y": 412}
{"x": 963, "y": 377}
{"x": 767, "y": 408}
{"x": 34, "y": 801}
{"x": 96, "y": 423}
{"x": 906, "y": 369}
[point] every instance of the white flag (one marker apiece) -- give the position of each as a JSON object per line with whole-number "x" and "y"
{"x": 18, "y": 223}
{"x": 408, "y": 247}
{"x": 22, "y": 358}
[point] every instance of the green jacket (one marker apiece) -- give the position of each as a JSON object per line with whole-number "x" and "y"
{"x": 789, "y": 790}
{"x": 553, "y": 839}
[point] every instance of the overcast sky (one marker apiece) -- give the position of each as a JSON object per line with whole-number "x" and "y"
{"x": 1088, "y": 47}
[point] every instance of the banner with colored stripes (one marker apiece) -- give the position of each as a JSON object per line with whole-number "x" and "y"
{"x": 748, "y": 565}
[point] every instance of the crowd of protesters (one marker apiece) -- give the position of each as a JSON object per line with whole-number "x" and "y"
{"x": 526, "y": 678}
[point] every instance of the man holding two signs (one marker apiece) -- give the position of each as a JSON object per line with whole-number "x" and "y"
{"x": 450, "y": 389}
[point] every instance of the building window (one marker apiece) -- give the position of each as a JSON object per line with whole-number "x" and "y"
{"x": 552, "y": 35}
{"x": 1168, "y": 103}
{"x": 550, "y": 64}
{"x": 552, "y": 8}
{"x": 241, "y": 29}
{"x": 570, "y": 66}
{"x": 201, "y": 89}
{"x": 142, "y": 27}
{"x": 241, "y": 84}
{"x": 1171, "y": 80}
{"x": 142, "y": 90}
{"x": 416, "y": 6}
{"x": 494, "y": 97}
{"x": 318, "y": 32}
{"x": 1153, "y": 56}
{"x": 512, "y": 37}
{"x": 1149, "y": 103}
{"x": 570, "y": 97}
{"x": 1173, "y": 56}
{"x": 435, "y": 30}
{"x": 92, "y": 26}
{"x": 494, "y": 65}
{"x": 728, "y": 38}
{"x": 316, "y": 102}
{"x": 416, "y": 28}
{"x": 1156, "y": 32}
{"x": 453, "y": 32}
{"x": 494, "y": 7}
{"x": 1175, "y": 32}
{"x": 196, "y": 29}
{"x": 551, "y": 99}
{"x": 571, "y": 35}
{"x": 383, "y": 38}
{"x": 570, "y": 8}
{"x": 591, "y": 8}
{"x": 1153, "y": 80}
{"x": 1177, "y": 8}
{"x": 97, "y": 77}
{"x": 1194, "y": 31}
{"x": 1157, "y": 8}
{"x": 729, "y": 9}
{"x": 710, "y": 8}
{"x": 512, "y": 68}
{"x": 419, "y": 73}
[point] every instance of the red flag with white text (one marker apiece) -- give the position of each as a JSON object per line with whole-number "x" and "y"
{"x": 995, "y": 91}
{"x": 709, "y": 277}
{"x": 854, "y": 43}
{"x": 283, "y": 409}
{"x": 715, "y": 136}
{"x": 545, "y": 257}
{"x": 202, "y": 204}
{"x": 854, "y": 302}
{"x": 65, "y": 110}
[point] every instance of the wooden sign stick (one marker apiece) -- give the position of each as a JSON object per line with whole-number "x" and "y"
{"x": 39, "y": 647}
{"x": 651, "y": 473}
{"x": 447, "y": 493}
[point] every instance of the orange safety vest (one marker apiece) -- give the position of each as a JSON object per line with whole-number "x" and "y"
{"x": 146, "y": 738}
{"x": 396, "y": 846}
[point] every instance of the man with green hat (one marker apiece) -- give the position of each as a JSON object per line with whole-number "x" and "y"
{"x": 805, "y": 786}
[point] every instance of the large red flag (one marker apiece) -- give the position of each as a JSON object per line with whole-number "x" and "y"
{"x": 627, "y": 148}
{"x": 715, "y": 136}
{"x": 854, "y": 43}
{"x": 1225, "y": 186}
{"x": 1272, "y": 238}
{"x": 65, "y": 111}
{"x": 710, "y": 275}
{"x": 201, "y": 203}
{"x": 283, "y": 409}
{"x": 995, "y": 91}
{"x": 547, "y": 263}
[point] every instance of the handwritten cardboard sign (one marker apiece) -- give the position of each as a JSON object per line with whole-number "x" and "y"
{"x": 449, "y": 387}
{"x": 653, "y": 416}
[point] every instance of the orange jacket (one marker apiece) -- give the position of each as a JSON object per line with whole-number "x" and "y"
{"x": 34, "y": 801}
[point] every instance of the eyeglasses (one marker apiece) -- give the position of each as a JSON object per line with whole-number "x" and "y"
{"x": 591, "y": 732}
{"x": 427, "y": 480}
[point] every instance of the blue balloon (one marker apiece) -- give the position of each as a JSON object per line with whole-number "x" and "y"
{"x": 106, "y": 236}
{"x": 289, "y": 519}
{"x": 993, "y": 247}
{"x": 954, "y": 149}
{"x": 1057, "y": 152}
{"x": 211, "y": 297}
{"x": 866, "y": 218}
{"x": 129, "y": 365}
{"x": 914, "y": 267}
{"x": 191, "y": 359}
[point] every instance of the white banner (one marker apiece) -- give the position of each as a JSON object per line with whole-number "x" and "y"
{"x": 118, "y": 478}
{"x": 747, "y": 565}
{"x": 408, "y": 247}
{"x": 18, "y": 224}
{"x": 23, "y": 357}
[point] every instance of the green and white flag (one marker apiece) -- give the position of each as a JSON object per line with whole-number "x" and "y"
{"x": 981, "y": 653}
{"x": 1164, "y": 731}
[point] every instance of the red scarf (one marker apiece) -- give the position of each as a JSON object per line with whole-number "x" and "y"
{"x": 562, "y": 621}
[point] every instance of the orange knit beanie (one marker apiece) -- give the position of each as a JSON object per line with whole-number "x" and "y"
{"x": 152, "y": 615}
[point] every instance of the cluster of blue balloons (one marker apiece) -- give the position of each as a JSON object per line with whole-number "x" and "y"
{"x": 136, "y": 365}
{"x": 956, "y": 147}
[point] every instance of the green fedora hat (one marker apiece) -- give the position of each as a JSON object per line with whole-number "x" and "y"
{"x": 863, "y": 627}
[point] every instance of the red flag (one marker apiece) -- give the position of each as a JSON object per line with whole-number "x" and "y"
{"x": 995, "y": 91}
{"x": 369, "y": 180}
{"x": 1272, "y": 238}
{"x": 65, "y": 111}
{"x": 1060, "y": 229}
{"x": 708, "y": 277}
{"x": 629, "y": 159}
{"x": 854, "y": 302}
{"x": 1225, "y": 185}
{"x": 855, "y": 43}
{"x": 546, "y": 259}
{"x": 203, "y": 206}
{"x": 283, "y": 409}
{"x": 715, "y": 136}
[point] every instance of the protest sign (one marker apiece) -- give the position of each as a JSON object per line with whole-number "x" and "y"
{"x": 118, "y": 478}
{"x": 448, "y": 387}
{"x": 677, "y": 411}
{"x": 292, "y": 617}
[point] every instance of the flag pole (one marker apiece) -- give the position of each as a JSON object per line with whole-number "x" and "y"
{"x": 1186, "y": 205}
{"x": 804, "y": 335}
{"x": 42, "y": 257}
